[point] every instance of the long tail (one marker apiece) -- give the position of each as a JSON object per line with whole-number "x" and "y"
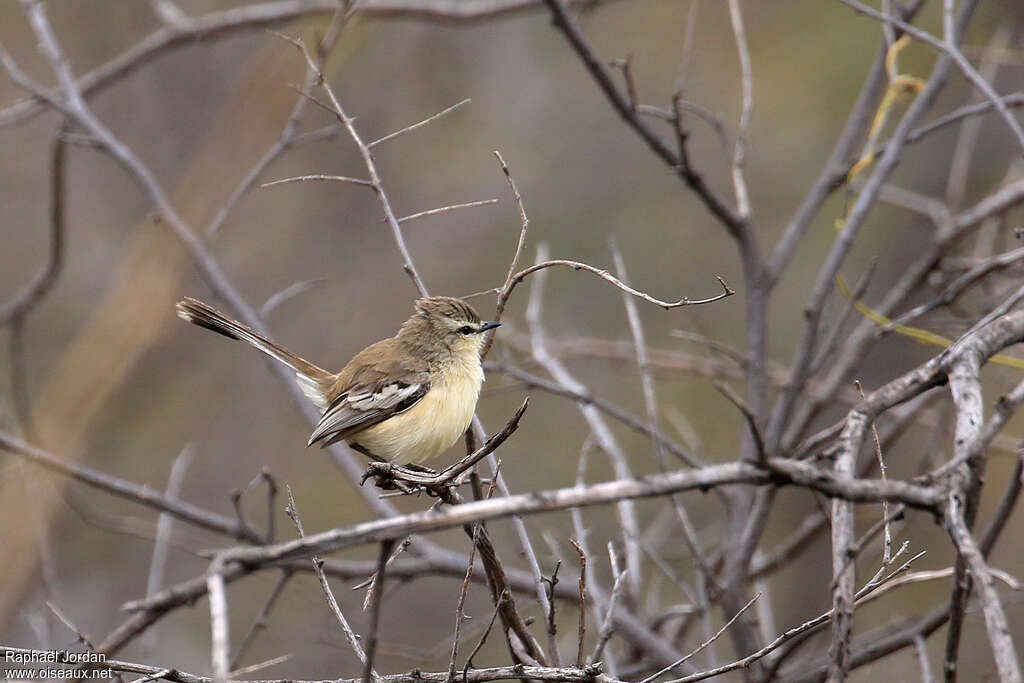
{"x": 314, "y": 381}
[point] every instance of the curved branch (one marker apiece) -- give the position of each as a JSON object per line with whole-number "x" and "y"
{"x": 605, "y": 275}
{"x": 41, "y": 284}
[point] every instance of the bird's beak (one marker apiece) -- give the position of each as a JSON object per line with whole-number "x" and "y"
{"x": 488, "y": 325}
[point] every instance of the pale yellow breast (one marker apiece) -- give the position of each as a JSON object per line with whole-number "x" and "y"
{"x": 434, "y": 423}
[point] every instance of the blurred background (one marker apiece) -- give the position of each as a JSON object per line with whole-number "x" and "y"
{"x": 118, "y": 383}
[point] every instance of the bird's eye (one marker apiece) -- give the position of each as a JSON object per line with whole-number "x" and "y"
{"x": 466, "y": 329}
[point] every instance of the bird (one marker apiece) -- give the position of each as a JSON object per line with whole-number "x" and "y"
{"x": 402, "y": 400}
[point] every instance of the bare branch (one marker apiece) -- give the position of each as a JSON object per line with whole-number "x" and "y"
{"x": 262, "y": 619}
{"x": 782, "y": 471}
{"x": 289, "y": 292}
{"x": 446, "y": 209}
{"x": 165, "y": 524}
{"x": 707, "y": 642}
{"x": 608, "y": 277}
{"x": 460, "y": 615}
{"x": 43, "y": 282}
{"x": 625, "y": 65}
{"x": 1003, "y": 649}
{"x": 506, "y": 288}
{"x": 219, "y": 640}
{"x": 82, "y": 638}
{"x": 733, "y": 398}
{"x": 921, "y": 649}
{"x": 321, "y": 177}
{"x": 409, "y": 129}
{"x": 140, "y": 494}
{"x": 378, "y": 598}
{"x": 332, "y": 603}
{"x": 585, "y": 397}
{"x": 747, "y": 107}
{"x": 582, "y": 628}
{"x": 608, "y": 625}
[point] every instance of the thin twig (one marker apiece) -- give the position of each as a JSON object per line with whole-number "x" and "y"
{"x": 82, "y": 638}
{"x": 552, "y": 627}
{"x": 372, "y": 584}
{"x": 43, "y": 282}
{"x": 262, "y": 619}
{"x": 747, "y": 89}
{"x": 332, "y": 603}
{"x": 625, "y": 65}
{"x": 371, "y": 642}
{"x": 703, "y": 645}
{"x": 585, "y": 397}
{"x": 289, "y": 292}
{"x": 477, "y": 428}
{"x": 143, "y": 495}
{"x": 483, "y": 637}
{"x": 259, "y": 666}
{"x": 409, "y": 129}
{"x": 921, "y": 648}
{"x": 318, "y": 177}
{"x": 371, "y": 168}
{"x": 460, "y": 614}
{"x": 608, "y": 277}
{"x": 582, "y": 628}
{"x": 506, "y": 288}
{"x": 219, "y": 639}
{"x": 164, "y": 526}
{"x": 741, "y": 405}
{"x": 887, "y": 542}
{"x": 446, "y": 209}
{"x": 608, "y": 625}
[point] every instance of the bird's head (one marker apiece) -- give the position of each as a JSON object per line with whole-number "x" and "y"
{"x": 443, "y": 324}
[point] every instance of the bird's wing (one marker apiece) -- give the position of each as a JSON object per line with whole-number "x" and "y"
{"x": 377, "y": 391}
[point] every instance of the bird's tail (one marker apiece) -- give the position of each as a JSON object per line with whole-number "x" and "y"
{"x": 314, "y": 381}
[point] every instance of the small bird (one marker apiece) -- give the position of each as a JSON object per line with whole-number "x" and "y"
{"x": 404, "y": 399}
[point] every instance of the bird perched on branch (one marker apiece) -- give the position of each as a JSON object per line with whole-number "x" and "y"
{"x": 404, "y": 399}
